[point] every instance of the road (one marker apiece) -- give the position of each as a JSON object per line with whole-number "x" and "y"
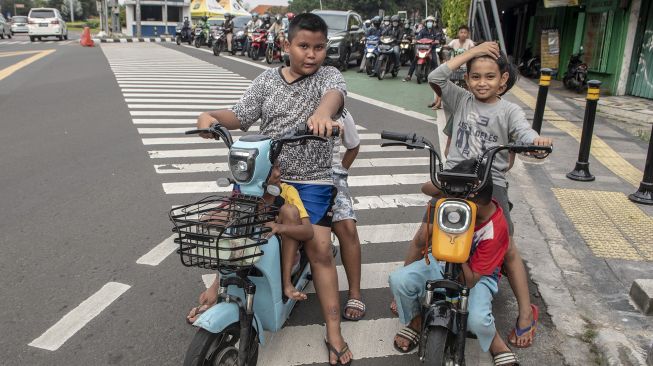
{"x": 93, "y": 158}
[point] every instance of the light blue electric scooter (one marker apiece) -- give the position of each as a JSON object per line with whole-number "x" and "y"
{"x": 228, "y": 233}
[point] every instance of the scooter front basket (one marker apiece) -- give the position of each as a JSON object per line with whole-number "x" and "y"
{"x": 222, "y": 232}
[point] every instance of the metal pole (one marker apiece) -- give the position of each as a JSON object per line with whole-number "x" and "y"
{"x": 165, "y": 14}
{"x": 545, "y": 81}
{"x": 320, "y": 4}
{"x": 582, "y": 170}
{"x": 138, "y": 19}
{"x": 497, "y": 24}
{"x": 105, "y": 10}
{"x": 72, "y": 11}
{"x": 426, "y": 8}
{"x": 644, "y": 194}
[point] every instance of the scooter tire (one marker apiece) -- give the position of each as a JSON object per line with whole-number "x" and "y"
{"x": 216, "y": 49}
{"x": 382, "y": 69}
{"x": 435, "y": 347}
{"x": 269, "y": 54}
{"x": 255, "y": 54}
{"x": 198, "y": 42}
{"x": 204, "y": 342}
{"x": 369, "y": 66}
{"x": 178, "y": 40}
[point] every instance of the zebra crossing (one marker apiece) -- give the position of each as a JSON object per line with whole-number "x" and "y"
{"x": 164, "y": 99}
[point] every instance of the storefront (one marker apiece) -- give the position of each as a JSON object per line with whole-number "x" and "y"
{"x": 153, "y": 15}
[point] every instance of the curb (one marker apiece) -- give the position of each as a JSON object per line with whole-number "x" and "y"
{"x": 133, "y": 40}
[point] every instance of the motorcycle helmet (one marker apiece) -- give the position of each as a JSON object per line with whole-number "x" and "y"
{"x": 367, "y": 22}
{"x": 395, "y": 20}
{"x": 376, "y": 21}
{"x": 277, "y": 19}
{"x": 266, "y": 18}
{"x": 255, "y": 15}
{"x": 290, "y": 16}
{"x": 228, "y": 16}
{"x": 386, "y": 20}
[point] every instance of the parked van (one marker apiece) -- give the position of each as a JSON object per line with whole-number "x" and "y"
{"x": 46, "y": 22}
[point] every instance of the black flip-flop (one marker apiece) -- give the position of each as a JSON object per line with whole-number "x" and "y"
{"x": 331, "y": 349}
{"x": 409, "y": 334}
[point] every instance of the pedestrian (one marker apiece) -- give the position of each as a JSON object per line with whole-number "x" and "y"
{"x": 228, "y": 27}
{"x": 284, "y": 99}
{"x": 344, "y": 217}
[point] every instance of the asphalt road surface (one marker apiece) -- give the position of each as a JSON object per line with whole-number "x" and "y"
{"x": 93, "y": 157}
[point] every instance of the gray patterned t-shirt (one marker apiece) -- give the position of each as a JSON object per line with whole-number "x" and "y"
{"x": 282, "y": 108}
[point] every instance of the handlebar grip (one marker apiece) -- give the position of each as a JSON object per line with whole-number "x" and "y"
{"x": 304, "y": 131}
{"x": 395, "y": 136}
{"x": 530, "y": 148}
{"x": 195, "y": 132}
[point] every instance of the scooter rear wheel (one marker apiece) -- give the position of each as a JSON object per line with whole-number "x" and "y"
{"x": 178, "y": 40}
{"x": 207, "y": 347}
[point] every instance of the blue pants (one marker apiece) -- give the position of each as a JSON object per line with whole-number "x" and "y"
{"x": 408, "y": 287}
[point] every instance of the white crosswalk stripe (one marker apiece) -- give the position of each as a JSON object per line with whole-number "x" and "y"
{"x": 164, "y": 100}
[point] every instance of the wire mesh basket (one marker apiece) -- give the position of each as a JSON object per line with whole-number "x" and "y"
{"x": 224, "y": 233}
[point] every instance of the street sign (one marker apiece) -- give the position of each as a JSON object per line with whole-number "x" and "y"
{"x": 19, "y": 6}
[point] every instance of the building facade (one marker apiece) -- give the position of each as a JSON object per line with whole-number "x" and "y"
{"x": 153, "y": 15}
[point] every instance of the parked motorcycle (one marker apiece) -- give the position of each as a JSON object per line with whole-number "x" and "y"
{"x": 530, "y": 65}
{"x": 423, "y": 59}
{"x": 371, "y": 53}
{"x": 406, "y": 49}
{"x": 228, "y": 234}
{"x": 386, "y": 60}
{"x": 445, "y": 304}
{"x": 218, "y": 40}
{"x": 258, "y": 43}
{"x": 576, "y": 75}
{"x": 273, "y": 49}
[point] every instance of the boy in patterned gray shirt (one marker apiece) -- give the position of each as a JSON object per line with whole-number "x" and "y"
{"x": 284, "y": 99}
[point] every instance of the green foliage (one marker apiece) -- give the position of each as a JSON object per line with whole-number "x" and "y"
{"x": 77, "y": 7}
{"x": 454, "y": 14}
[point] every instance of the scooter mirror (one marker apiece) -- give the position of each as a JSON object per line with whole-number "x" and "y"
{"x": 224, "y": 182}
{"x": 273, "y": 190}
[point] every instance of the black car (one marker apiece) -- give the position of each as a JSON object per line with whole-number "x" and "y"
{"x": 345, "y": 34}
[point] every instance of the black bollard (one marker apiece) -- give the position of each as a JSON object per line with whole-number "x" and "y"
{"x": 582, "y": 170}
{"x": 545, "y": 81}
{"x": 645, "y": 192}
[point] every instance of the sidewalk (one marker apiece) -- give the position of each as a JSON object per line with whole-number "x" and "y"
{"x": 584, "y": 242}
{"x": 600, "y": 242}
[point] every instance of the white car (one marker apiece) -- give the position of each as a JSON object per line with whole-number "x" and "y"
{"x": 46, "y": 22}
{"x": 19, "y": 24}
{"x": 5, "y": 28}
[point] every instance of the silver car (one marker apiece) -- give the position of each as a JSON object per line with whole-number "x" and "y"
{"x": 5, "y": 27}
{"x": 19, "y": 24}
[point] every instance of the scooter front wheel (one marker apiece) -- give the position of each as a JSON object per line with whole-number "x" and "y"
{"x": 269, "y": 55}
{"x": 198, "y": 42}
{"x": 217, "y": 349}
{"x": 435, "y": 348}
{"x": 255, "y": 54}
{"x": 178, "y": 40}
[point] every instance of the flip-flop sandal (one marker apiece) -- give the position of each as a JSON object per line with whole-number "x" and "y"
{"x": 195, "y": 312}
{"x": 331, "y": 349}
{"x": 505, "y": 358}
{"x": 356, "y": 305}
{"x": 520, "y": 332}
{"x": 409, "y": 334}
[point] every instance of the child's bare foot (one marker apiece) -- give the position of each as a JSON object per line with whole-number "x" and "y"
{"x": 292, "y": 293}
{"x": 195, "y": 313}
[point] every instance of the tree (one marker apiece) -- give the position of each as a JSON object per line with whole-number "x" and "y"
{"x": 77, "y": 7}
{"x": 454, "y": 14}
{"x": 303, "y": 6}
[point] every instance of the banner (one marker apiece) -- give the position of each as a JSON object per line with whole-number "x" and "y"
{"x": 550, "y": 49}
{"x": 558, "y": 3}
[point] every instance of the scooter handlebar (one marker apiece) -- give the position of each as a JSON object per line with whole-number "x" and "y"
{"x": 397, "y": 136}
{"x": 304, "y": 131}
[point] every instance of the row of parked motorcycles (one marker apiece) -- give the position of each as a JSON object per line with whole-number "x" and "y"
{"x": 379, "y": 59}
{"x": 575, "y": 77}
{"x": 257, "y": 44}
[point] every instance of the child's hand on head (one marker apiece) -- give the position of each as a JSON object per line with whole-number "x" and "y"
{"x": 488, "y": 49}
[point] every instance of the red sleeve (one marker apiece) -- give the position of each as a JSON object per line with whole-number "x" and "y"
{"x": 490, "y": 250}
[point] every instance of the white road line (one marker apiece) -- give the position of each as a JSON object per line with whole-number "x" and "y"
{"x": 386, "y": 233}
{"x": 181, "y": 106}
{"x": 197, "y": 140}
{"x": 159, "y": 252}
{"x": 305, "y": 344}
{"x": 161, "y": 154}
{"x": 353, "y": 181}
{"x": 223, "y": 167}
{"x": 180, "y": 89}
{"x": 166, "y": 113}
{"x": 75, "y": 320}
{"x": 389, "y": 201}
{"x": 177, "y": 100}
{"x": 191, "y": 84}
{"x": 200, "y": 80}
{"x": 164, "y": 121}
{"x": 222, "y": 94}
{"x": 169, "y": 75}
{"x": 372, "y": 163}
{"x": 177, "y": 130}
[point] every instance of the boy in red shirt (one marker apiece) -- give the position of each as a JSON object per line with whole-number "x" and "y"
{"x": 481, "y": 273}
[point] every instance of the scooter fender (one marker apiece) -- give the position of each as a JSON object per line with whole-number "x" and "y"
{"x": 216, "y": 318}
{"x": 441, "y": 316}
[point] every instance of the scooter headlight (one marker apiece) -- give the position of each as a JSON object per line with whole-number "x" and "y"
{"x": 454, "y": 217}
{"x": 242, "y": 163}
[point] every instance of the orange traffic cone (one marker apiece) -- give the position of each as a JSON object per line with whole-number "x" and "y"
{"x": 86, "y": 40}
